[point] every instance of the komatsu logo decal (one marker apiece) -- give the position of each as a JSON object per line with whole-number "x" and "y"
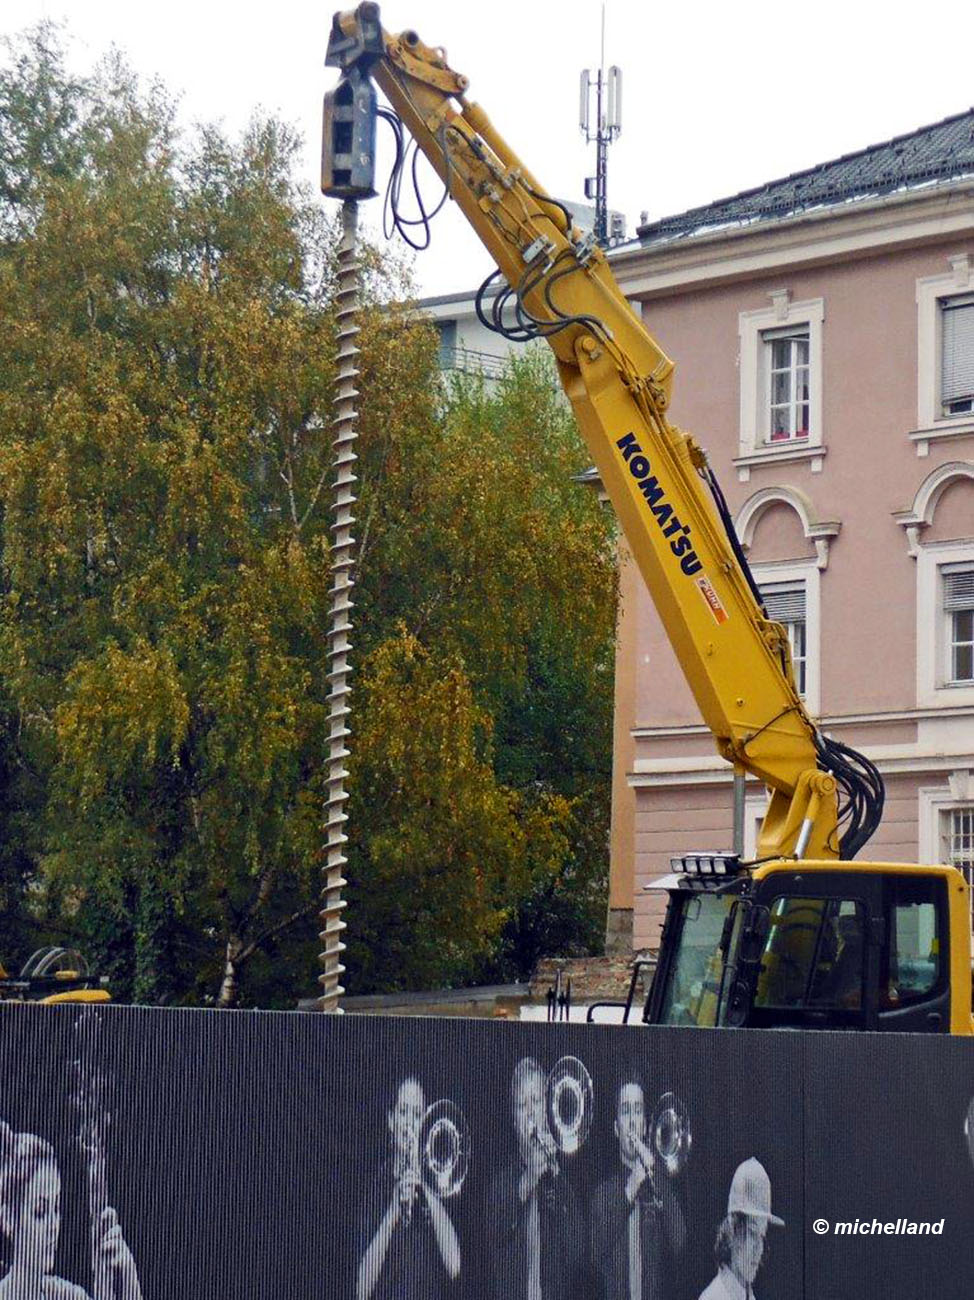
{"x": 663, "y": 512}
{"x": 671, "y": 526}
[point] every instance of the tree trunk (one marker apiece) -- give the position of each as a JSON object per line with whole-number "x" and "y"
{"x": 228, "y": 989}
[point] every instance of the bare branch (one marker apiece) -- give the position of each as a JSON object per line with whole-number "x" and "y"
{"x": 287, "y": 474}
{"x": 251, "y": 948}
{"x": 314, "y": 496}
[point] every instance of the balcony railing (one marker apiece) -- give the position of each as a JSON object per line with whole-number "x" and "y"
{"x": 469, "y": 362}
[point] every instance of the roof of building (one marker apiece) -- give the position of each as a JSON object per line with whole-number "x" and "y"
{"x": 941, "y": 152}
{"x": 463, "y": 296}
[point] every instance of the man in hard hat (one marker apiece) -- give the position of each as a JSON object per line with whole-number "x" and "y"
{"x": 739, "y": 1247}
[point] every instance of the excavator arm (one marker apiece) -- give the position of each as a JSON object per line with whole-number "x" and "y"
{"x": 618, "y": 380}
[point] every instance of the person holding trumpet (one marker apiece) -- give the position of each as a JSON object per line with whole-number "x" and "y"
{"x": 411, "y": 1249}
{"x": 638, "y": 1231}
{"x": 535, "y": 1232}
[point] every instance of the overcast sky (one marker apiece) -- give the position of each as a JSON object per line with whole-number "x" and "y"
{"x": 717, "y": 97}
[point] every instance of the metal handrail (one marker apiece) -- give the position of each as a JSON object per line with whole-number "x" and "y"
{"x": 638, "y": 965}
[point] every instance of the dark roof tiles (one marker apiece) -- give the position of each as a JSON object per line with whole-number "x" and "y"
{"x": 943, "y": 151}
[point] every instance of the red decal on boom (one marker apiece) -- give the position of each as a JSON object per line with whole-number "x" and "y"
{"x": 712, "y": 599}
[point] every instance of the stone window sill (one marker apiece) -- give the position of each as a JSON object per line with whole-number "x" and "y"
{"x": 784, "y": 453}
{"x": 959, "y": 428}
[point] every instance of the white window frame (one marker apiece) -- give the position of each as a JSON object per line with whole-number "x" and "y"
{"x": 966, "y": 810}
{"x": 949, "y": 641}
{"x": 790, "y": 625}
{"x": 790, "y": 334}
{"x": 756, "y": 330}
{"x": 807, "y": 574}
{"x": 755, "y": 807}
{"x": 962, "y": 302}
{"x": 936, "y": 805}
{"x": 931, "y": 291}
{"x": 934, "y": 689}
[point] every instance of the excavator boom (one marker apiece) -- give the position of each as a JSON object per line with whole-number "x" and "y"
{"x": 767, "y": 943}
{"x": 618, "y": 380}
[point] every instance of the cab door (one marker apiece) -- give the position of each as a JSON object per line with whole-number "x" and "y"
{"x": 823, "y": 953}
{"x": 914, "y": 985}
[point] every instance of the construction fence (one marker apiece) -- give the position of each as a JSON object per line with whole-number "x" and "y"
{"x": 200, "y": 1155}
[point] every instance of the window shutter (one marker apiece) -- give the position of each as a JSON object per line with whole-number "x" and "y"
{"x": 786, "y": 604}
{"x": 958, "y": 350}
{"x": 959, "y": 590}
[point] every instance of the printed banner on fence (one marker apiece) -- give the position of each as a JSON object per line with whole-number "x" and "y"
{"x": 197, "y": 1155}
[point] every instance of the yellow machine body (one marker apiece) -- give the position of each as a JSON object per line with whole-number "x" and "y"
{"x": 619, "y": 381}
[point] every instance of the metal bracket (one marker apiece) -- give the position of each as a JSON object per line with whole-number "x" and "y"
{"x": 356, "y": 38}
{"x": 542, "y": 247}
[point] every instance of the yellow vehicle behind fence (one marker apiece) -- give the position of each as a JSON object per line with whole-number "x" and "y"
{"x": 54, "y": 975}
{"x": 802, "y": 935}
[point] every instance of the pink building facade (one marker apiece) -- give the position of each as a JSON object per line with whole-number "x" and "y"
{"x": 825, "y": 360}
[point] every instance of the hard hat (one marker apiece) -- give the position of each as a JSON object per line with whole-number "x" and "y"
{"x": 750, "y": 1193}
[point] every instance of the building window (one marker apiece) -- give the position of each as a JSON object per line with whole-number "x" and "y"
{"x": 755, "y": 810}
{"x": 786, "y": 356}
{"x": 957, "y": 355}
{"x": 785, "y": 603}
{"x": 958, "y": 604}
{"x": 946, "y": 824}
{"x": 945, "y": 624}
{"x": 781, "y": 383}
{"x": 791, "y": 591}
{"x": 945, "y": 354}
{"x": 958, "y": 835}
{"x": 447, "y": 330}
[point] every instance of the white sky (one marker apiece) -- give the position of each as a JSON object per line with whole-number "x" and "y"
{"x": 717, "y": 96}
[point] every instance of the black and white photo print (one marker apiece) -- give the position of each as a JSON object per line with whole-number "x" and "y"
{"x": 637, "y": 1223}
{"x": 410, "y": 1249}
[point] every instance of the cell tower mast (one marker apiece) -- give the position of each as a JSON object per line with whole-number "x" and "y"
{"x": 603, "y": 129}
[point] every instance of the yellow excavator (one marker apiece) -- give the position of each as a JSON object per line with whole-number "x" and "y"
{"x": 803, "y": 935}
{"x": 53, "y": 975}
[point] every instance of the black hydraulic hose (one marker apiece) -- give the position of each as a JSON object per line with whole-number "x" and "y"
{"x": 862, "y": 791}
{"x": 735, "y": 542}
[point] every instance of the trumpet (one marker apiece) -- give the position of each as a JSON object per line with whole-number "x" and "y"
{"x": 439, "y": 1154}
{"x": 643, "y": 1155}
{"x": 669, "y": 1133}
{"x": 648, "y": 1193}
{"x": 444, "y": 1140}
{"x": 569, "y": 1104}
{"x": 665, "y": 1150}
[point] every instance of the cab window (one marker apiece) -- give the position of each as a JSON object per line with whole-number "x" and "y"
{"x": 916, "y": 950}
{"x": 814, "y": 956}
{"x": 693, "y": 980}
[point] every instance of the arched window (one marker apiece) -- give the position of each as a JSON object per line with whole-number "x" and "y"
{"x": 788, "y": 572}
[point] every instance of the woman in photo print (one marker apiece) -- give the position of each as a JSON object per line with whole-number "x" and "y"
{"x": 410, "y": 1249}
{"x": 30, "y": 1220}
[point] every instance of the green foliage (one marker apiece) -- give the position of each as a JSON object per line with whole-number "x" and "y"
{"x": 480, "y": 542}
{"x": 166, "y": 369}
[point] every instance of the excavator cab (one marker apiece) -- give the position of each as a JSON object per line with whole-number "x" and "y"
{"x": 814, "y": 946}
